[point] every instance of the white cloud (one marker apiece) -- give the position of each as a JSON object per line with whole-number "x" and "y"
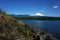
{"x": 37, "y": 14}
{"x": 56, "y": 6}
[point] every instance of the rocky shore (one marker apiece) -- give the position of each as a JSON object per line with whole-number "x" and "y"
{"x": 40, "y": 35}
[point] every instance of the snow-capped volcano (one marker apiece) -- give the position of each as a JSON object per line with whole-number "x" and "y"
{"x": 37, "y": 14}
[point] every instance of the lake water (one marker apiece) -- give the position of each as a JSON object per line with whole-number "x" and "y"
{"x": 51, "y": 26}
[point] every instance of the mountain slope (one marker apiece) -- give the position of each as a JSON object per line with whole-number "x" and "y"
{"x": 11, "y": 28}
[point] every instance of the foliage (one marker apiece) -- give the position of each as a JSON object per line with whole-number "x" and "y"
{"x": 12, "y": 27}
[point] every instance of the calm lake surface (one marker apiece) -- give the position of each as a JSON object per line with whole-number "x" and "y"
{"x": 51, "y": 26}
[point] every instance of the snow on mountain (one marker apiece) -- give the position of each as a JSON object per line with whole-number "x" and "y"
{"x": 37, "y": 14}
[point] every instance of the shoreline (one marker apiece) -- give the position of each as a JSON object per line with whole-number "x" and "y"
{"x": 43, "y": 35}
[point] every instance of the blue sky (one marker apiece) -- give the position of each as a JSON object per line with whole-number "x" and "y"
{"x": 28, "y": 7}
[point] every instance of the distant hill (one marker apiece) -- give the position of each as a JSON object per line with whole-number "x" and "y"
{"x": 19, "y": 16}
{"x": 35, "y": 17}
